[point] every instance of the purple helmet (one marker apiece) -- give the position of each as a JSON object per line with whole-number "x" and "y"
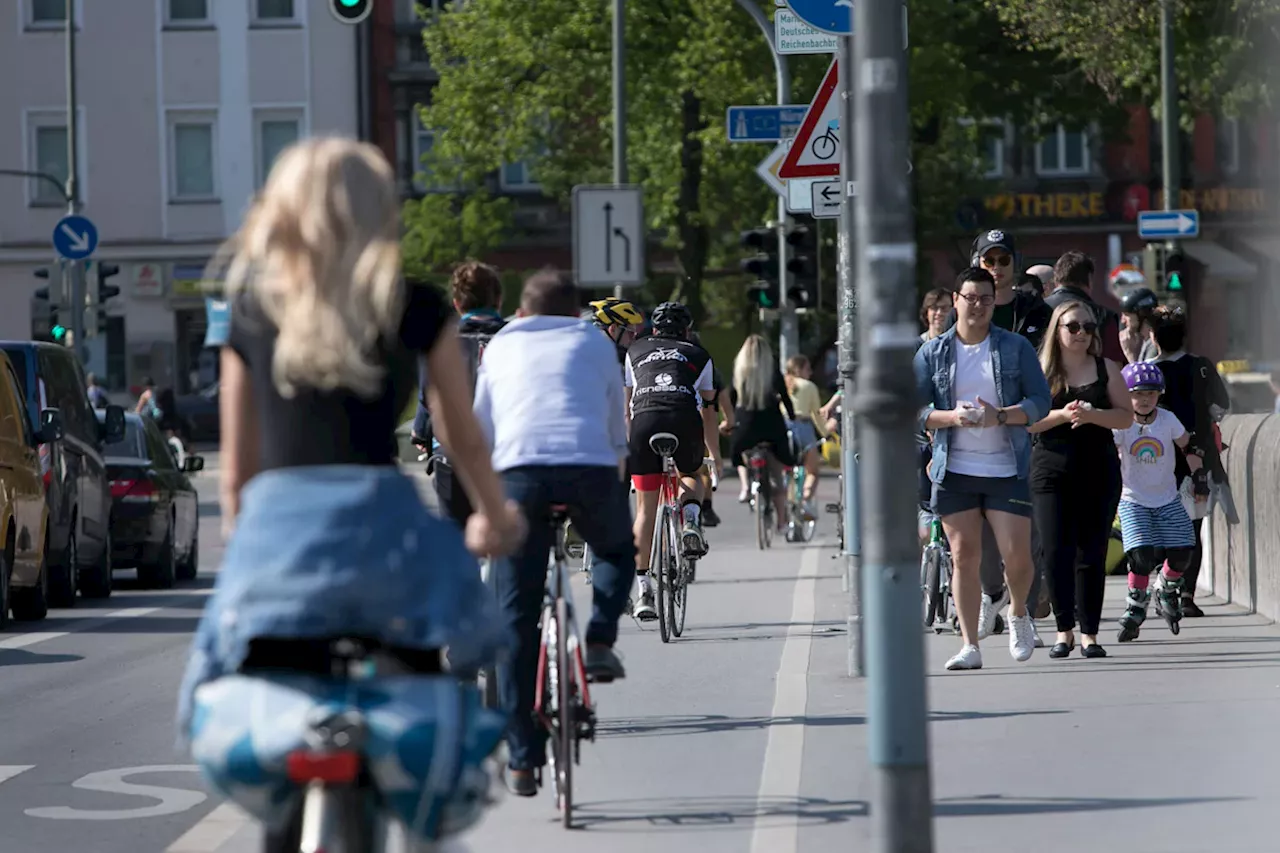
{"x": 1143, "y": 376}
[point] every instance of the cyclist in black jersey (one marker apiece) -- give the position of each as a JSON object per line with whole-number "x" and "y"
{"x": 668, "y": 381}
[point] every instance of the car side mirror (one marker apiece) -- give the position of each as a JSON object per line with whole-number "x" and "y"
{"x": 113, "y": 424}
{"x": 50, "y": 426}
{"x": 193, "y": 464}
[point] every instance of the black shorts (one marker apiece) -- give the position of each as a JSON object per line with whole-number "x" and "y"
{"x": 685, "y": 426}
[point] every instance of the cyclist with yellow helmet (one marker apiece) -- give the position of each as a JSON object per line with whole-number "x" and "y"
{"x": 618, "y": 318}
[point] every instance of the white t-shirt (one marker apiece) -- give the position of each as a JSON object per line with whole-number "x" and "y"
{"x": 978, "y": 451}
{"x": 1147, "y": 459}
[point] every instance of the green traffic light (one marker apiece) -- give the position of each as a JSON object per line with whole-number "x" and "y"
{"x": 58, "y": 332}
{"x": 350, "y": 3}
{"x": 1175, "y": 281}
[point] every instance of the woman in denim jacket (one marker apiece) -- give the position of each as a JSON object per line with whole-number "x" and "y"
{"x": 981, "y": 386}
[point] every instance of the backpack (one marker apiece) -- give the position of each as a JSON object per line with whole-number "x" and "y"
{"x": 473, "y": 346}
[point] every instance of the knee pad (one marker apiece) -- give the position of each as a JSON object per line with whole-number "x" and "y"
{"x": 1145, "y": 559}
{"x": 1179, "y": 558}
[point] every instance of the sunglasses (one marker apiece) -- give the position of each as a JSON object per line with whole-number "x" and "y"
{"x": 1076, "y": 328}
{"x": 997, "y": 260}
{"x": 977, "y": 298}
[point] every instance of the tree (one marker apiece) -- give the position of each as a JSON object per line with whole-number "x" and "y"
{"x": 1223, "y": 48}
{"x": 442, "y": 229}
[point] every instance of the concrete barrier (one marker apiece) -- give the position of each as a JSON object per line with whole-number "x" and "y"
{"x": 1242, "y": 561}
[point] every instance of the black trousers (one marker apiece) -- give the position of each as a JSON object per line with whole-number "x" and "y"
{"x": 1075, "y": 500}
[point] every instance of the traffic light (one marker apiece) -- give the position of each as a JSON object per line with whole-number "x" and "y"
{"x": 107, "y": 291}
{"x": 57, "y": 331}
{"x": 763, "y": 264}
{"x": 802, "y": 290}
{"x": 1175, "y": 271}
{"x": 351, "y": 11}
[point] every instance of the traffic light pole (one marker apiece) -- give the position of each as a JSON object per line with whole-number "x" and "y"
{"x": 1171, "y": 154}
{"x": 74, "y": 269}
{"x": 789, "y": 327}
{"x": 886, "y": 404}
{"x": 619, "y": 103}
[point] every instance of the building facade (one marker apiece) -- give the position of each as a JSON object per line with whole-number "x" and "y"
{"x": 182, "y": 107}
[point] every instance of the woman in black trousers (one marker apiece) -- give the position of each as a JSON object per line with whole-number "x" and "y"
{"x": 1075, "y": 472}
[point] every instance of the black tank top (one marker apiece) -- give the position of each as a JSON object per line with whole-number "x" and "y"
{"x": 1088, "y": 439}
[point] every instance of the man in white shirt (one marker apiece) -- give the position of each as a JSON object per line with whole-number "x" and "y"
{"x": 549, "y": 396}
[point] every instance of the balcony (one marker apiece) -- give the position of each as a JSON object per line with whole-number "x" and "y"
{"x": 413, "y": 65}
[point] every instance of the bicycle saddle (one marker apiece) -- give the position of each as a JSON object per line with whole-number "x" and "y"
{"x": 664, "y": 443}
{"x": 559, "y": 513}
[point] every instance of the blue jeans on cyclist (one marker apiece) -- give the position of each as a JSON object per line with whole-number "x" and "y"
{"x": 598, "y": 505}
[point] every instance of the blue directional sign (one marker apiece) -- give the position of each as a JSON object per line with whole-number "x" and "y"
{"x": 1168, "y": 224}
{"x": 830, "y": 16}
{"x": 75, "y": 237}
{"x": 764, "y": 124}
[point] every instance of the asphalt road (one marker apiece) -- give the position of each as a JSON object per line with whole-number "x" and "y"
{"x": 744, "y": 736}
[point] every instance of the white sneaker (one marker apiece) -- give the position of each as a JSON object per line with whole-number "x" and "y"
{"x": 969, "y": 657}
{"x": 987, "y": 615}
{"x": 1021, "y": 636}
{"x": 1035, "y": 632}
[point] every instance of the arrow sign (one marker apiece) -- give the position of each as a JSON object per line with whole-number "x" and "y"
{"x": 1164, "y": 224}
{"x": 614, "y": 254}
{"x": 815, "y": 153}
{"x": 826, "y": 199}
{"x": 75, "y": 237}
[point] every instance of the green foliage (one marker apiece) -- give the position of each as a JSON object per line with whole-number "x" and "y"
{"x": 442, "y": 229}
{"x": 1224, "y": 49}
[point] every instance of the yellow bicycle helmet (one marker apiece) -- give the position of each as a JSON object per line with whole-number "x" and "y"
{"x": 614, "y": 311}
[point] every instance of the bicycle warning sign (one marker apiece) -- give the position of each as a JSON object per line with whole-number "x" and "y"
{"x": 815, "y": 152}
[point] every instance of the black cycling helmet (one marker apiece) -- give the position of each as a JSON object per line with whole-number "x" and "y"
{"x": 1140, "y": 301}
{"x": 671, "y": 318}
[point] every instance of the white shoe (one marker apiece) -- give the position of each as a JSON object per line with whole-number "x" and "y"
{"x": 1035, "y": 632}
{"x": 987, "y": 615}
{"x": 1021, "y": 636}
{"x": 969, "y": 657}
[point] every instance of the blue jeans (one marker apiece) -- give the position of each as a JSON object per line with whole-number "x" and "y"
{"x": 598, "y": 505}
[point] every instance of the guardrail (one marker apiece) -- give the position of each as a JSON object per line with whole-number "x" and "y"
{"x": 1242, "y": 561}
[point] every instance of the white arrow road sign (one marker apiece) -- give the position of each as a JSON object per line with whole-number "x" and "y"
{"x": 825, "y": 199}
{"x": 608, "y": 236}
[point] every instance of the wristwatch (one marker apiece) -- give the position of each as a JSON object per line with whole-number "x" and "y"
{"x": 1001, "y": 416}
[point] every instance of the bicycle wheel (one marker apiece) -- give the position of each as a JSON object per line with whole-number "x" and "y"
{"x": 761, "y": 521}
{"x": 676, "y": 595}
{"x": 661, "y": 532}
{"x": 931, "y": 571}
{"x": 805, "y": 527}
{"x": 566, "y": 716}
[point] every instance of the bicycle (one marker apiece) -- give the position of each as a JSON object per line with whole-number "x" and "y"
{"x": 935, "y": 581}
{"x": 761, "y": 494}
{"x": 829, "y": 140}
{"x": 666, "y": 561}
{"x": 799, "y": 527}
{"x": 562, "y": 702}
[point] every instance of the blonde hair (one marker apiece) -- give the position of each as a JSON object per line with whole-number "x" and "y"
{"x": 795, "y": 365}
{"x": 319, "y": 250}
{"x": 1051, "y": 349}
{"x": 753, "y": 372}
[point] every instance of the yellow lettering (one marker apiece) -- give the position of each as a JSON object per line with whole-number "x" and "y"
{"x": 1097, "y": 204}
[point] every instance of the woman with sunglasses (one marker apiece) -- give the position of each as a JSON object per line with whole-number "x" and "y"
{"x": 1075, "y": 472}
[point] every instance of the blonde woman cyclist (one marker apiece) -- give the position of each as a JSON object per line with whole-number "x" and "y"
{"x": 758, "y": 388}
{"x": 808, "y": 425}
{"x": 327, "y": 538}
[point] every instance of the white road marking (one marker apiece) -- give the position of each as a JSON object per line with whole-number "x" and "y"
{"x": 131, "y": 612}
{"x": 8, "y": 771}
{"x": 784, "y": 750}
{"x": 85, "y": 623}
{"x": 172, "y": 800}
{"x": 217, "y": 828}
{"x": 24, "y": 640}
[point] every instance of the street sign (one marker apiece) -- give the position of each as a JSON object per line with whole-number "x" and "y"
{"x": 75, "y": 237}
{"x": 1165, "y": 224}
{"x": 815, "y": 152}
{"x": 608, "y": 235}
{"x": 825, "y": 197}
{"x": 763, "y": 123}
{"x": 768, "y": 168}
{"x": 792, "y": 35}
{"x": 799, "y": 197}
{"x": 830, "y": 16}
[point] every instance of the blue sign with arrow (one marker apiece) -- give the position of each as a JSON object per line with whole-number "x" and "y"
{"x": 1168, "y": 224}
{"x": 75, "y": 237}
{"x": 830, "y": 16}
{"x": 764, "y": 123}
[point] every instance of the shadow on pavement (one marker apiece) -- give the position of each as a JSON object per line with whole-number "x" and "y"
{"x": 22, "y": 657}
{"x": 997, "y": 805}
{"x": 737, "y": 813}
{"x": 147, "y": 625}
{"x": 706, "y": 723}
{"x": 782, "y": 579}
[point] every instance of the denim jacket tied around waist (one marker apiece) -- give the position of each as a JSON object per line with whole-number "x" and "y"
{"x": 1019, "y": 381}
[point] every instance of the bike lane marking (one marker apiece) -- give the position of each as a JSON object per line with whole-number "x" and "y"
{"x": 214, "y": 830}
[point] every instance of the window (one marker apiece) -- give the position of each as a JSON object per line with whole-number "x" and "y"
{"x": 49, "y": 11}
{"x": 187, "y": 12}
{"x": 1229, "y": 145}
{"x": 47, "y": 153}
{"x": 515, "y": 178}
{"x": 158, "y": 449}
{"x": 274, "y": 11}
{"x": 277, "y": 130}
{"x": 191, "y": 156}
{"x": 423, "y": 141}
{"x": 1064, "y": 152}
{"x": 991, "y": 146}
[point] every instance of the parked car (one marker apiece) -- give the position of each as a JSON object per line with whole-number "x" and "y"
{"x": 75, "y": 476}
{"x": 24, "y": 515}
{"x": 200, "y": 411}
{"x": 155, "y": 512}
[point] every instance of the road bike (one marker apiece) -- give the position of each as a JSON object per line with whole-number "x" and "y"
{"x": 562, "y": 702}
{"x": 671, "y": 570}
{"x": 761, "y": 494}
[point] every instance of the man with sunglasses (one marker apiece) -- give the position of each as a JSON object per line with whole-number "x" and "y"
{"x": 1073, "y": 280}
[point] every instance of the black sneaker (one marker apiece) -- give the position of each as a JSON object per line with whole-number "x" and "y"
{"x": 603, "y": 665}
{"x": 521, "y": 782}
{"x": 709, "y": 517}
{"x": 1190, "y": 608}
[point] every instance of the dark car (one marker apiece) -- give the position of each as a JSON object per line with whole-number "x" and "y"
{"x": 155, "y": 512}
{"x": 75, "y": 475}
